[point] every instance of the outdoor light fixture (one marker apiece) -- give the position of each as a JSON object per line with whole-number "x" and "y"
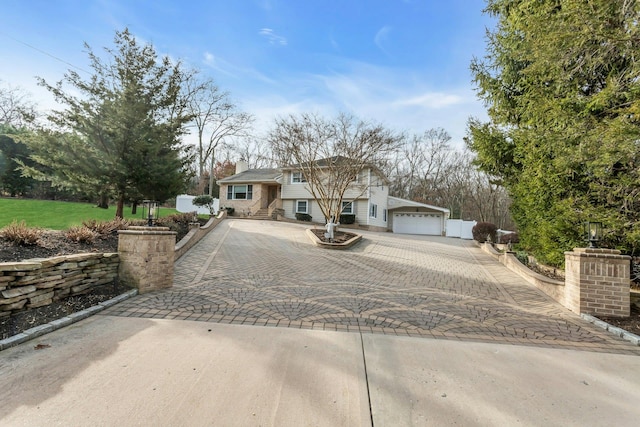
{"x": 593, "y": 231}
{"x": 150, "y": 211}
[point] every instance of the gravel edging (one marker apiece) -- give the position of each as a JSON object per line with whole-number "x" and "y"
{"x": 38, "y": 331}
{"x": 619, "y": 332}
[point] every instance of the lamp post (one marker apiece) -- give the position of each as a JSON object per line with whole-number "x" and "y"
{"x": 593, "y": 231}
{"x": 150, "y": 211}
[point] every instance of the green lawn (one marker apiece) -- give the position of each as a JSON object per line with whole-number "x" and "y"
{"x": 59, "y": 215}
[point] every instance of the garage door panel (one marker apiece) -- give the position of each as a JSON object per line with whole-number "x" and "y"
{"x": 417, "y": 223}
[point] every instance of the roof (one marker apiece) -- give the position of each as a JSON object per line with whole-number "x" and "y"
{"x": 335, "y": 160}
{"x": 320, "y": 163}
{"x": 396, "y": 202}
{"x": 253, "y": 175}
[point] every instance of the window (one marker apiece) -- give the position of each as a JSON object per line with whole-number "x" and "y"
{"x": 384, "y": 215}
{"x": 240, "y": 192}
{"x": 302, "y": 206}
{"x": 297, "y": 178}
{"x": 373, "y": 210}
{"x": 347, "y": 207}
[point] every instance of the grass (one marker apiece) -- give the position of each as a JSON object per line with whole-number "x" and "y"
{"x": 57, "y": 215}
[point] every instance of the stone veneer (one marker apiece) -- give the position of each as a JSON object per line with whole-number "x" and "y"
{"x": 146, "y": 257}
{"x": 39, "y": 282}
{"x": 597, "y": 282}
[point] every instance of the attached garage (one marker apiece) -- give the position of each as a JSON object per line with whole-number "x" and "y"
{"x": 417, "y": 223}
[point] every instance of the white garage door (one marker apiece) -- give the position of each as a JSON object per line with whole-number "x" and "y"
{"x": 417, "y": 223}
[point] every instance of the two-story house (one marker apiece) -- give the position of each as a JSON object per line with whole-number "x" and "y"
{"x": 259, "y": 192}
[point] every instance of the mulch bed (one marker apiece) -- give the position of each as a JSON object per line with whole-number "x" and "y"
{"x": 27, "y": 319}
{"x": 53, "y": 243}
{"x": 338, "y": 236}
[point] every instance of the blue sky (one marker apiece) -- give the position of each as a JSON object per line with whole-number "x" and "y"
{"x": 404, "y": 63}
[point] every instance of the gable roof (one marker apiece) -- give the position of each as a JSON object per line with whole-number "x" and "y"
{"x": 253, "y": 175}
{"x": 397, "y": 202}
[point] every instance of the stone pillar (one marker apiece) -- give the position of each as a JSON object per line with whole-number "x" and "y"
{"x": 146, "y": 257}
{"x": 597, "y": 282}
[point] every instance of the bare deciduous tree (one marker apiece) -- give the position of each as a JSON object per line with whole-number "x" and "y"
{"x": 16, "y": 108}
{"x": 216, "y": 119}
{"x": 331, "y": 153}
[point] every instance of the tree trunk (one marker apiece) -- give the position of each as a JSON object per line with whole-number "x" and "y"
{"x": 120, "y": 207}
{"x": 103, "y": 203}
{"x": 134, "y": 207}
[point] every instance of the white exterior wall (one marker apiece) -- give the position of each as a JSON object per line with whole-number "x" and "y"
{"x": 379, "y": 195}
{"x": 378, "y": 192}
{"x": 289, "y": 207}
{"x": 184, "y": 203}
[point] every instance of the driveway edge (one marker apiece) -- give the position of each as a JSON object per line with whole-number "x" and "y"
{"x": 619, "y": 332}
{"x": 40, "y": 330}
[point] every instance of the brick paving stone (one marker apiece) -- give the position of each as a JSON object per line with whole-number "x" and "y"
{"x": 269, "y": 273}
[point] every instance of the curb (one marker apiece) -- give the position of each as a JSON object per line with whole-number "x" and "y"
{"x": 621, "y": 333}
{"x": 38, "y": 331}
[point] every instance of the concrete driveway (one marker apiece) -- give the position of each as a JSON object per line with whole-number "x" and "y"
{"x": 202, "y": 354}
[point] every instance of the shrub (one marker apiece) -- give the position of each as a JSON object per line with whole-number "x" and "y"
{"x": 80, "y": 234}
{"x": 20, "y": 235}
{"x": 347, "y": 219}
{"x": 105, "y": 228}
{"x": 523, "y": 257}
{"x": 204, "y": 200}
{"x": 229, "y": 210}
{"x": 178, "y": 218}
{"x": 303, "y": 217}
{"x": 483, "y": 229}
{"x": 511, "y": 237}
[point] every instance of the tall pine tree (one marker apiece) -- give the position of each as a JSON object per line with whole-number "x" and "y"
{"x": 562, "y": 85}
{"x": 119, "y": 133}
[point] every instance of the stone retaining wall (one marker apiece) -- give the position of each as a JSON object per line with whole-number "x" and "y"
{"x": 196, "y": 233}
{"x": 39, "y": 282}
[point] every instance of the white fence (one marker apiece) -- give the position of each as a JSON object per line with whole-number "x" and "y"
{"x": 460, "y": 228}
{"x": 184, "y": 203}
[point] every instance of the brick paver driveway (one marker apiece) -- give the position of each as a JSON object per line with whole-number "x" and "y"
{"x": 269, "y": 273}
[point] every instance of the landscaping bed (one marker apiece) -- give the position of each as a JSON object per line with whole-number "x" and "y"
{"x": 54, "y": 243}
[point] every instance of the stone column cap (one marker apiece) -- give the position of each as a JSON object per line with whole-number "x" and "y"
{"x": 597, "y": 251}
{"x": 134, "y": 229}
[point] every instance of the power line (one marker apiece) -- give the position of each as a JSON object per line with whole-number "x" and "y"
{"x": 44, "y": 52}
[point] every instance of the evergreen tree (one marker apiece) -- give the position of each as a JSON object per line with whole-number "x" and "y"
{"x": 119, "y": 134}
{"x": 562, "y": 84}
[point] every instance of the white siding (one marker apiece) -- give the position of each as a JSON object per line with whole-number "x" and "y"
{"x": 378, "y": 195}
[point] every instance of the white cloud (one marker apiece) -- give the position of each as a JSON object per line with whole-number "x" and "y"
{"x": 219, "y": 64}
{"x": 430, "y": 100}
{"x": 381, "y": 38}
{"x": 272, "y": 37}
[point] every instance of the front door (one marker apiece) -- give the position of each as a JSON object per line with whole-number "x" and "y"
{"x": 273, "y": 194}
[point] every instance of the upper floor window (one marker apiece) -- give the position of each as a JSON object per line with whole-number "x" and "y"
{"x": 240, "y": 192}
{"x": 297, "y": 177}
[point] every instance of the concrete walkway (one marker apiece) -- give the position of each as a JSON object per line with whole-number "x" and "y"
{"x": 510, "y": 355}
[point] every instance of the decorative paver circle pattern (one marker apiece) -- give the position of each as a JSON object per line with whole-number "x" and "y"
{"x": 269, "y": 273}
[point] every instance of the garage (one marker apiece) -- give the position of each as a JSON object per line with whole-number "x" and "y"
{"x": 418, "y": 223}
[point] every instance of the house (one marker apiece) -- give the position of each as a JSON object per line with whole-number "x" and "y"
{"x": 261, "y": 192}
